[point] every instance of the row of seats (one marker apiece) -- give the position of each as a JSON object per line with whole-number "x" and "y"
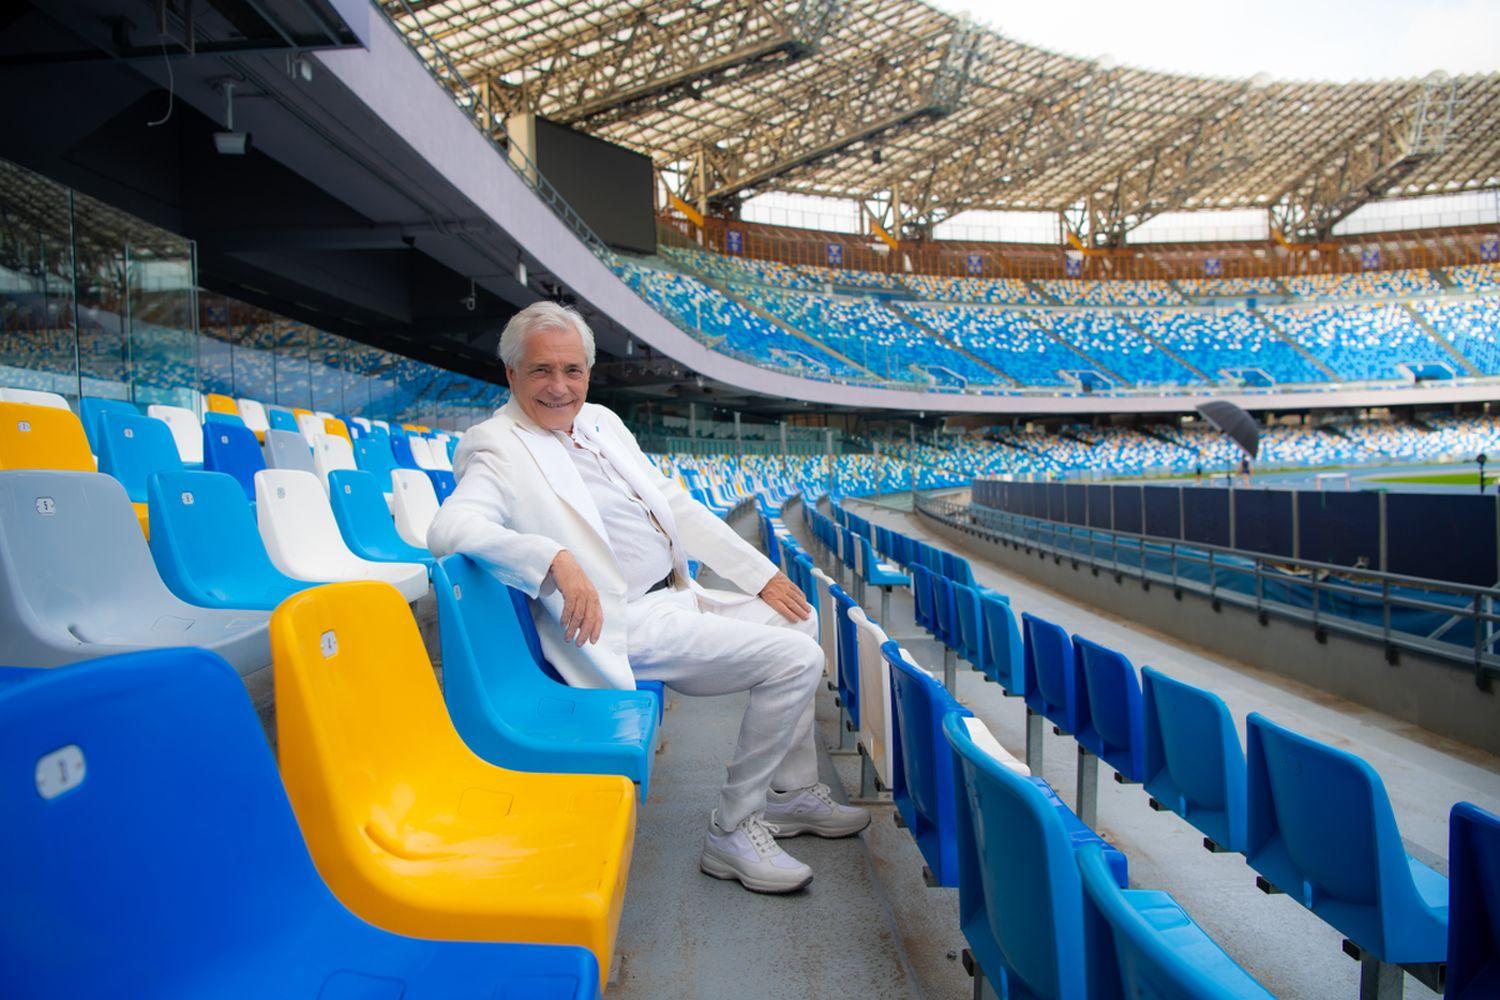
{"x": 1312, "y": 820}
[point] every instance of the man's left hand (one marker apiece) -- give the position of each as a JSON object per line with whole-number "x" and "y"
{"x": 787, "y": 598}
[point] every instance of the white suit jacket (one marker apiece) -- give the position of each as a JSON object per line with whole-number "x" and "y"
{"x": 520, "y": 500}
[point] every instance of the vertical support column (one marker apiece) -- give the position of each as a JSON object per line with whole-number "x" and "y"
{"x": 828, "y": 451}
{"x": 1380, "y": 980}
{"x": 1034, "y": 742}
{"x": 950, "y": 670}
{"x": 1087, "y": 797}
{"x": 693, "y": 420}
{"x": 785, "y": 458}
{"x": 885, "y": 608}
{"x": 739, "y": 444}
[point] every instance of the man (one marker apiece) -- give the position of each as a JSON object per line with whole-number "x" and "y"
{"x": 556, "y": 499}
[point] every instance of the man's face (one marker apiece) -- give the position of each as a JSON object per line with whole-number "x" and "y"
{"x": 551, "y": 379}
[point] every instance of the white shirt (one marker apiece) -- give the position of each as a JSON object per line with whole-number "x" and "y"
{"x": 642, "y": 549}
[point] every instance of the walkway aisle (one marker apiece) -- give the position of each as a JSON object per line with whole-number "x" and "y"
{"x": 686, "y": 935}
{"x": 1290, "y": 951}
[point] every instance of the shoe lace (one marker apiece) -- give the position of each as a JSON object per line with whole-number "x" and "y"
{"x": 823, "y": 794}
{"x": 762, "y": 835}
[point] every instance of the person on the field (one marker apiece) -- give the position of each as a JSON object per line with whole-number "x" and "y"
{"x": 555, "y": 498}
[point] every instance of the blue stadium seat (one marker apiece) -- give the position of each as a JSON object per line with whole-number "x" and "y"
{"x": 77, "y": 581}
{"x": 512, "y": 714}
{"x": 1193, "y": 763}
{"x": 848, "y": 664}
{"x": 922, "y": 597}
{"x": 922, "y": 785}
{"x": 1320, "y": 828}
{"x": 969, "y": 618}
{"x": 1474, "y": 904}
{"x": 443, "y": 482}
{"x": 1158, "y": 952}
{"x": 372, "y": 453}
{"x": 207, "y": 889}
{"x": 1113, "y": 729}
{"x": 131, "y": 447}
{"x": 365, "y": 521}
{"x": 218, "y": 417}
{"x": 92, "y": 408}
{"x": 1004, "y": 652}
{"x": 401, "y": 451}
{"x": 1020, "y": 894}
{"x": 206, "y": 545}
{"x": 1054, "y": 688}
{"x": 235, "y": 452}
{"x": 279, "y": 418}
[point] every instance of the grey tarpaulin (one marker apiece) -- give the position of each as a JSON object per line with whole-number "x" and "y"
{"x": 1235, "y": 422}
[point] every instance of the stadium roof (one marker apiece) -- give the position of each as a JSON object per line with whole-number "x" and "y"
{"x": 922, "y": 115}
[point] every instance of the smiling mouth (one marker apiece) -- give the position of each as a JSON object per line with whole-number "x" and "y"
{"x": 556, "y": 406}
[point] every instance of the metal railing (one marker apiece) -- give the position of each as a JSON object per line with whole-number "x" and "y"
{"x": 1458, "y": 621}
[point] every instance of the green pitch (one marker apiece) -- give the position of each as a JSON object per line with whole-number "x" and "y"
{"x": 1469, "y": 478}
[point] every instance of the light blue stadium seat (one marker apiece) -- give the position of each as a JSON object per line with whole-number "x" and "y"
{"x": 235, "y": 452}
{"x": 131, "y": 447}
{"x": 372, "y": 453}
{"x": 206, "y": 545}
{"x": 281, "y": 419}
{"x": 1159, "y": 953}
{"x": 1020, "y": 895}
{"x": 1320, "y": 828}
{"x": 512, "y": 714}
{"x": 289, "y": 450}
{"x": 173, "y": 866}
{"x": 77, "y": 581}
{"x": 1054, "y": 687}
{"x": 1113, "y": 729}
{"x": 1474, "y": 904}
{"x": 1004, "y": 652}
{"x": 91, "y": 409}
{"x": 365, "y": 521}
{"x": 1193, "y": 763}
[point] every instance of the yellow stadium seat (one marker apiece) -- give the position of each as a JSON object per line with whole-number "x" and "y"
{"x": 298, "y": 411}
{"x": 410, "y": 829}
{"x": 336, "y": 427}
{"x": 416, "y": 428}
{"x": 42, "y": 437}
{"x": 219, "y": 403}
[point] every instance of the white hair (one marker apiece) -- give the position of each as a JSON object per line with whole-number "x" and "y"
{"x": 543, "y": 316}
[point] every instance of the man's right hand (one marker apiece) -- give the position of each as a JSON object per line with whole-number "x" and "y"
{"x": 582, "y": 613}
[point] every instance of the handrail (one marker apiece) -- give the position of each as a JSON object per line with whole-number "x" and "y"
{"x": 1318, "y": 581}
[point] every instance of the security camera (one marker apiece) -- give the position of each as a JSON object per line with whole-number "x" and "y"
{"x": 232, "y": 143}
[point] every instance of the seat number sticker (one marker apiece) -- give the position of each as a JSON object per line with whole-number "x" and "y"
{"x": 46, "y": 506}
{"x": 59, "y": 771}
{"x": 329, "y": 643}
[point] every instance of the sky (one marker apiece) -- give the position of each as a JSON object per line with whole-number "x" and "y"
{"x": 1337, "y": 40}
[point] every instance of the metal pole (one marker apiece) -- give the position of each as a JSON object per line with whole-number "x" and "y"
{"x": 739, "y": 444}
{"x": 1034, "y": 741}
{"x": 1087, "y": 796}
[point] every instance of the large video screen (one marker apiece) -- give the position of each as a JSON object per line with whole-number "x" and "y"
{"x": 609, "y": 186}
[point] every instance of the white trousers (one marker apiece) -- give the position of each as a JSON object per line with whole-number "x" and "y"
{"x": 709, "y": 649}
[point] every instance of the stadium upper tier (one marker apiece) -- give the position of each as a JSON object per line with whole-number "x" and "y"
{"x": 1006, "y": 335}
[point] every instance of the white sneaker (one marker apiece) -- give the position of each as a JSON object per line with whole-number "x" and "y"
{"x": 812, "y": 810}
{"x": 750, "y": 854}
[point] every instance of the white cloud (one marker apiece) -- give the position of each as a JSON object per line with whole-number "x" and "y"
{"x": 1289, "y": 39}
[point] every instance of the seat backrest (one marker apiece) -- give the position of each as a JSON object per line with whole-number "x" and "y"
{"x": 372, "y": 453}
{"x": 309, "y": 425}
{"x": 285, "y": 450}
{"x": 970, "y": 622}
{"x": 848, "y": 660}
{"x": 1474, "y": 903}
{"x": 1018, "y": 878}
{"x": 421, "y": 452}
{"x": 1004, "y": 653}
{"x": 920, "y": 702}
{"x": 1053, "y": 687}
{"x": 296, "y": 521}
{"x": 401, "y": 451}
{"x": 1319, "y": 826}
{"x": 187, "y": 432}
{"x": 921, "y": 590}
{"x": 1193, "y": 763}
{"x": 217, "y": 402}
{"x": 331, "y": 453}
{"x": 114, "y": 727}
{"x": 414, "y": 504}
{"x": 828, "y": 623}
{"x": 874, "y": 693}
{"x": 1113, "y": 731}
{"x": 359, "y": 507}
{"x": 220, "y": 417}
{"x": 253, "y": 413}
{"x": 42, "y": 437}
{"x": 336, "y": 427}
{"x": 73, "y": 553}
{"x": 359, "y": 717}
{"x": 234, "y": 451}
{"x": 91, "y": 410}
{"x": 131, "y": 447}
{"x": 443, "y": 483}
{"x": 205, "y": 542}
{"x": 279, "y": 418}
{"x": 34, "y": 397}
{"x": 944, "y": 611}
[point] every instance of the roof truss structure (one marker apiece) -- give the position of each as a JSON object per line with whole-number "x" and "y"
{"x": 892, "y": 102}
